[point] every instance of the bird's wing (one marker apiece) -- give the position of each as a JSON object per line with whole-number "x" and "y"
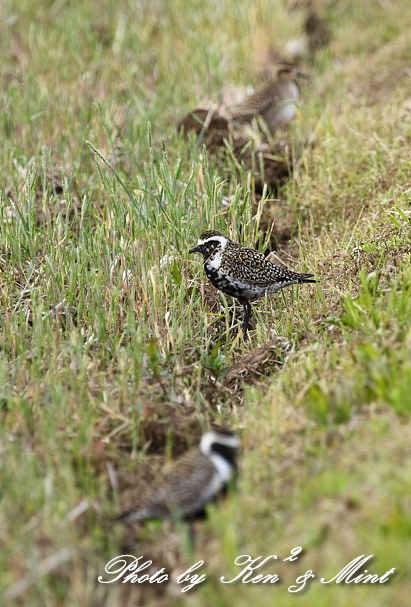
{"x": 256, "y": 103}
{"x": 254, "y": 267}
{"x": 180, "y": 490}
{"x": 271, "y": 273}
{"x": 181, "y": 487}
{"x": 266, "y": 97}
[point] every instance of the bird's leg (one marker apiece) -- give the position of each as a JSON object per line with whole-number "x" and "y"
{"x": 191, "y": 537}
{"x": 246, "y": 316}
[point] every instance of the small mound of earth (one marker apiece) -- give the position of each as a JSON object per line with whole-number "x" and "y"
{"x": 269, "y": 163}
{"x": 165, "y": 425}
{"x": 252, "y": 366}
{"x": 208, "y": 124}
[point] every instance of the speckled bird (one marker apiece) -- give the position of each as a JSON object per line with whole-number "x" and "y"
{"x": 276, "y": 101}
{"x": 242, "y": 272}
{"x": 187, "y": 484}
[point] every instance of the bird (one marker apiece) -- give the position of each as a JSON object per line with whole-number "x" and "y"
{"x": 190, "y": 482}
{"x": 242, "y": 272}
{"x": 317, "y": 31}
{"x": 275, "y": 102}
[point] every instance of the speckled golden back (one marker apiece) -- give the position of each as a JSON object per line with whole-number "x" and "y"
{"x": 257, "y": 103}
{"x": 274, "y": 101}
{"x": 248, "y": 264}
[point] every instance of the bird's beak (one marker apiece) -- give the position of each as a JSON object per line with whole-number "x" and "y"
{"x": 303, "y": 75}
{"x": 194, "y": 250}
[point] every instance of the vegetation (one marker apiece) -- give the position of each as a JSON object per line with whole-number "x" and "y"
{"x": 116, "y": 354}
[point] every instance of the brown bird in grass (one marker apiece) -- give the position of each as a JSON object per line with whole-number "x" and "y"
{"x": 275, "y": 102}
{"x": 241, "y": 272}
{"x": 183, "y": 491}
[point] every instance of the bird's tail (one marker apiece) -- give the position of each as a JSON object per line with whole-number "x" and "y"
{"x": 306, "y": 278}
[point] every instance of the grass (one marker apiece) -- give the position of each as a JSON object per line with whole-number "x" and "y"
{"x": 115, "y": 353}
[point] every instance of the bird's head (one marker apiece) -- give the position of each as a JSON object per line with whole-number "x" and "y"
{"x": 209, "y": 242}
{"x": 221, "y": 442}
{"x": 288, "y": 72}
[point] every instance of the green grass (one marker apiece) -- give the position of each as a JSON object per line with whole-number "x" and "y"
{"x": 114, "y": 357}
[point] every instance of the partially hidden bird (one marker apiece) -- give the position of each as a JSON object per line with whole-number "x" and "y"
{"x": 276, "y": 101}
{"x": 189, "y": 483}
{"x": 241, "y": 272}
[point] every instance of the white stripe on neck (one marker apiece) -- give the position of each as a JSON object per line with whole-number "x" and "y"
{"x": 223, "y": 467}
